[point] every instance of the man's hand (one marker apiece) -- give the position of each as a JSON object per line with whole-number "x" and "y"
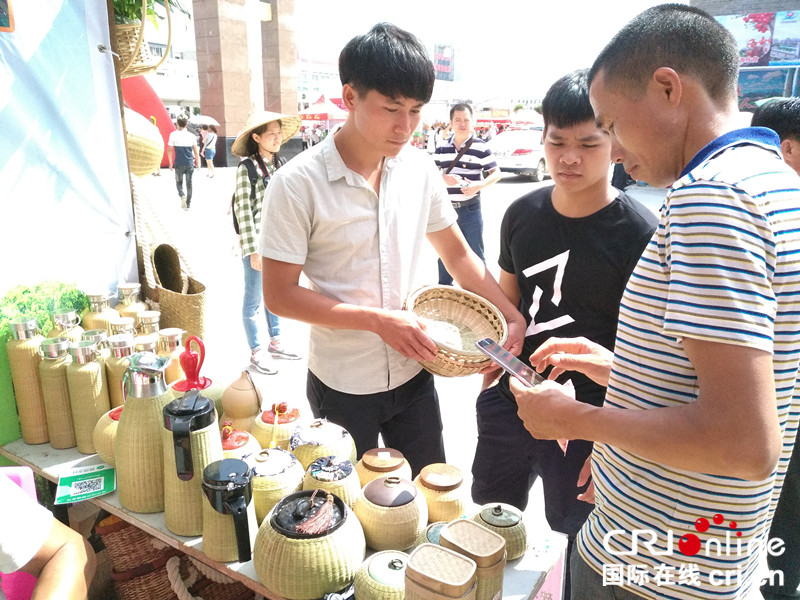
{"x": 255, "y": 261}
{"x": 546, "y": 409}
{"x": 584, "y": 476}
{"x": 574, "y": 354}
{"x": 401, "y": 330}
{"x": 470, "y": 190}
{"x": 452, "y": 180}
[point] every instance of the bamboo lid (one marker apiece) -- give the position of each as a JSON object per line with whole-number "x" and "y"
{"x": 383, "y": 460}
{"x": 441, "y": 570}
{"x": 472, "y": 539}
{"x": 441, "y": 477}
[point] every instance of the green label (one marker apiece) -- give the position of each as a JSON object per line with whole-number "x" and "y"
{"x": 83, "y": 483}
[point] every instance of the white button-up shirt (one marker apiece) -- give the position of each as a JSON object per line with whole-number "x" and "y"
{"x": 357, "y": 247}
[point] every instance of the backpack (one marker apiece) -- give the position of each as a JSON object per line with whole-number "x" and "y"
{"x": 252, "y": 174}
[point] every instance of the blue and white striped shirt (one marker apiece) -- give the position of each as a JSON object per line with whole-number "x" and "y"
{"x": 477, "y": 159}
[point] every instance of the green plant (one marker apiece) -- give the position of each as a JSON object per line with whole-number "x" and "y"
{"x": 130, "y": 11}
{"x": 39, "y": 301}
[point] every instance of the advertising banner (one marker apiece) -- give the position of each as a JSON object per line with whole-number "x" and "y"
{"x": 767, "y": 38}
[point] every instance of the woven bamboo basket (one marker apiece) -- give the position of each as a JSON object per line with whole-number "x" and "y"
{"x": 203, "y": 582}
{"x": 382, "y": 576}
{"x": 146, "y": 581}
{"x": 344, "y": 483}
{"x": 183, "y": 500}
{"x": 55, "y": 392}
{"x": 276, "y": 473}
{"x": 485, "y": 547}
{"x": 264, "y": 427}
{"x": 507, "y": 521}
{"x": 134, "y": 53}
{"x": 104, "y": 435}
{"x": 440, "y": 483}
{"x": 186, "y": 311}
{"x": 321, "y": 438}
{"x": 128, "y": 546}
{"x": 24, "y": 359}
{"x": 382, "y": 462}
{"x": 437, "y": 573}
{"x": 391, "y": 525}
{"x": 308, "y": 567}
{"x": 490, "y": 581}
{"x": 455, "y": 319}
{"x": 430, "y": 535}
{"x": 88, "y": 401}
{"x": 144, "y": 143}
{"x": 219, "y": 533}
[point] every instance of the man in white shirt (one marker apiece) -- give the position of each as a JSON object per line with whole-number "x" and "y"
{"x": 352, "y": 214}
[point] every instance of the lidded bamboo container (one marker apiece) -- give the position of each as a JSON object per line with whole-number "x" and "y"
{"x": 121, "y": 347}
{"x": 241, "y": 403}
{"x": 307, "y": 565}
{"x": 66, "y": 323}
{"x": 100, "y": 314}
{"x": 382, "y": 576}
{"x": 191, "y": 442}
{"x": 441, "y": 485}
{"x": 392, "y": 512}
{"x": 169, "y": 344}
{"x": 229, "y": 518}
{"x": 145, "y": 343}
{"x": 485, "y": 547}
{"x": 438, "y": 573}
{"x": 130, "y": 304}
{"x": 139, "y": 450}
{"x": 321, "y": 438}
{"x": 382, "y": 462}
{"x": 276, "y": 473}
{"x": 88, "y": 392}
{"x": 334, "y": 475}
{"x": 55, "y": 391}
{"x": 119, "y": 325}
{"x": 268, "y": 430}
{"x": 147, "y": 322}
{"x": 24, "y": 359}
{"x": 238, "y": 444}
{"x": 507, "y": 521}
{"x": 104, "y": 435}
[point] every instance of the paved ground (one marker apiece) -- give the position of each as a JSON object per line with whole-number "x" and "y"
{"x": 204, "y": 235}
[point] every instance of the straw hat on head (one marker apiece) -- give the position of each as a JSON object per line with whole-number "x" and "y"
{"x": 289, "y": 127}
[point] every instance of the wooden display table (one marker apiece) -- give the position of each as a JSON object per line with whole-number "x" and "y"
{"x": 523, "y": 576}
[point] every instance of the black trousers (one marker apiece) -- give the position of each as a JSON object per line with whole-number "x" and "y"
{"x": 407, "y": 417}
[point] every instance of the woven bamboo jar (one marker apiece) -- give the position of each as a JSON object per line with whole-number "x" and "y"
{"x": 191, "y": 443}
{"x": 266, "y": 430}
{"x": 55, "y": 391}
{"x": 100, "y": 314}
{"x": 334, "y": 475}
{"x": 440, "y": 483}
{"x": 382, "y": 576}
{"x": 241, "y": 403}
{"x": 100, "y": 338}
{"x": 485, "y": 547}
{"x": 146, "y": 343}
{"x": 121, "y": 347}
{"x": 238, "y": 444}
{"x": 138, "y": 449}
{"x": 507, "y": 521}
{"x": 169, "y": 344}
{"x": 276, "y": 473}
{"x": 104, "y": 435}
{"x": 130, "y": 305}
{"x": 24, "y": 359}
{"x": 392, "y": 512}
{"x": 229, "y": 518}
{"x": 147, "y": 322}
{"x": 66, "y": 323}
{"x": 321, "y": 438}
{"x": 88, "y": 392}
{"x": 304, "y": 566}
{"x": 382, "y": 462}
{"x": 430, "y": 535}
{"x": 437, "y": 573}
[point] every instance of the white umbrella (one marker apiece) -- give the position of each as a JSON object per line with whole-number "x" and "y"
{"x": 203, "y": 120}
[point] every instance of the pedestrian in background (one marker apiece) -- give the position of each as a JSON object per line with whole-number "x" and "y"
{"x": 210, "y": 148}
{"x": 183, "y": 156}
{"x": 259, "y": 143}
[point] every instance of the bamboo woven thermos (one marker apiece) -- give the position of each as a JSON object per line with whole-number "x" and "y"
{"x": 66, "y": 323}
{"x": 88, "y": 392}
{"x": 169, "y": 344}
{"x": 229, "y": 518}
{"x": 121, "y": 347}
{"x": 130, "y": 305}
{"x": 100, "y": 314}
{"x": 24, "y": 359}
{"x": 55, "y": 390}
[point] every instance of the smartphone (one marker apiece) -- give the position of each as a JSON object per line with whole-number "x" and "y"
{"x": 509, "y": 362}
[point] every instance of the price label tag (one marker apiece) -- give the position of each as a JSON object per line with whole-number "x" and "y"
{"x": 83, "y": 483}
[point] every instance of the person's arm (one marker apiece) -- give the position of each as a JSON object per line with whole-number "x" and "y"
{"x": 732, "y": 429}
{"x": 471, "y": 273}
{"x": 64, "y": 565}
{"x": 285, "y": 297}
{"x": 507, "y": 283}
{"x": 471, "y": 190}
{"x": 196, "y": 156}
{"x": 171, "y": 155}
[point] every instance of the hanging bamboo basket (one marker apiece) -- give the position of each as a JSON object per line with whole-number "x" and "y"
{"x": 134, "y": 54}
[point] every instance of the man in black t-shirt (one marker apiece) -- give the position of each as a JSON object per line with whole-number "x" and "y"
{"x": 566, "y": 252}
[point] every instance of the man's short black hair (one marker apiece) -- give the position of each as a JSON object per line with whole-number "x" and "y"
{"x": 389, "y": 60}
{"x": 782, "y": 115}
{"x": 181, "y": 121}
{"x": 677, "y": 36}
{"x": 460, "y": 106}
{"x": 566, "y": 103}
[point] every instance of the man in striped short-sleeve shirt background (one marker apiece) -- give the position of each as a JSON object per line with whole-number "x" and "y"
{"x": 466, "y": 178}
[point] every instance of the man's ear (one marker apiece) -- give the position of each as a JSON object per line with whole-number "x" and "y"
{"x": 667, "y": 84}
{"x": 790, "y": 148}
{"x": 349, "y": 95}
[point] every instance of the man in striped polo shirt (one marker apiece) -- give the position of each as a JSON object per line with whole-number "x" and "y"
{"x": 465, "y": 179}
{"x": 702, "y": 407}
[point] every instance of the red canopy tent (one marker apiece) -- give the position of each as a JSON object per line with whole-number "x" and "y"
{"x": 323, "y": 110}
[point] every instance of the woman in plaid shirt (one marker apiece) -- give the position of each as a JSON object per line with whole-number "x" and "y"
{"x": 259, "y": 142}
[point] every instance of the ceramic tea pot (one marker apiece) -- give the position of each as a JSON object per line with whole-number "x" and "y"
{"x": 229, "y": 522}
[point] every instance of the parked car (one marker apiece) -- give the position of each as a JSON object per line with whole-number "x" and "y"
{"x": 520, "y": 151}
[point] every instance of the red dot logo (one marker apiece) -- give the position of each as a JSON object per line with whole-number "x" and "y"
{"x": 701, "y": 525}
{"x": 718, "y": 519}
{"x": 689, "y": 544}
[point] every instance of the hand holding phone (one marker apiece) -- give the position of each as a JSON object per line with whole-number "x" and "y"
{"x": 509, "y": 362}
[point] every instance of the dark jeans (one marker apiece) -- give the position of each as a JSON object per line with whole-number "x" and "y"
{"x": 180, "y": 173}
{"x": 786, "y": 526}
{"x": 470, "y": 220}
{"x": 587, "y": 584}
{"x": 508, "y": 460}
{"x": 407, "y": 417}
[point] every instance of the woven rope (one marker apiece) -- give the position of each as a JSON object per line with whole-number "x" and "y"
{"x": 103, "y": 438}
{"x": 55, "y": 393}
{"x": 88, "y": 400}
{"x": 176, "y": 581}
{"x": 459, "y": 318}
{"x": 392, "y": 528}
{"x": 24, "y": 359}
{"x": 210, "y": 573}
